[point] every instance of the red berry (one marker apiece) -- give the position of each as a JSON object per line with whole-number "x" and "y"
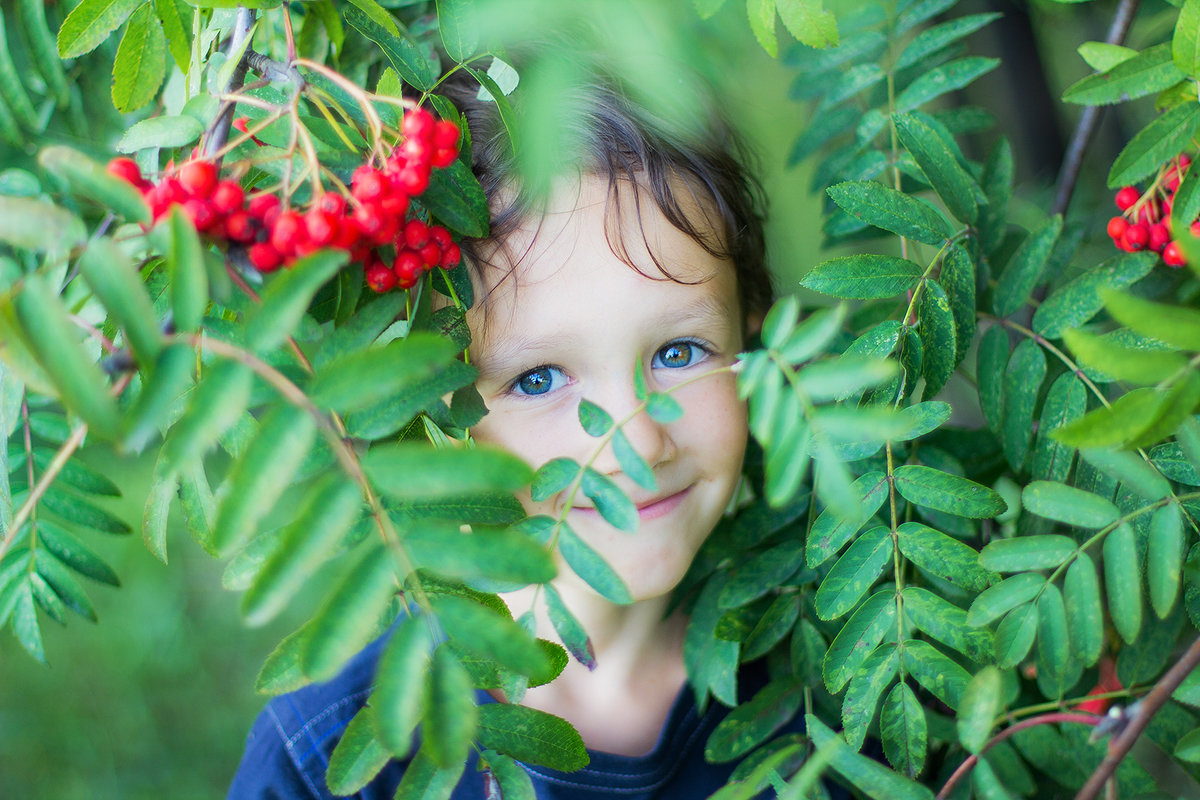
{"x": 443, "y": 157}
{"x": 228, "y": 197}
{"x": 201, "y": 213}
{"x": 394, "y": 205}
{"x": 417, "y": 151}
{"x": 413, "y": 180}
{"x": 376, "y": 225}
{"x": 1117, "y": 227}
{"x": 264, "y": 257}
{"x": 369, "y": 184}
{"x": 1126, "y": 197}
{"x": 1185, "y": 161}
{"x": 440, "y": 235}
{"x": 431, "y": 255}
{"x": 1148, "y": 212}
{"x": 265, "y": 208}
{"x": 408, "y": 268}
{"x": 332, "y": 203}
{"x": 320, "y": 228}
{"x": 1136, "y": 237}
{"x": 198, "y": 178}
{"x": 1171, "y": 179}
{"x": 1159, "y": 236}
{"x": 241, "y": 227}
{"x": 418, "y": 124}
{"x": 445, "y": 135}
{"x": 348, "y": 233}
{"x": 451, "y": 256}
{"x": 288, "y": 234}
{"x": 380, "y": 278}
{"x": 126, "y": 169}
{"x": 416, "y": 234}
{"x": 1172, "y": 255}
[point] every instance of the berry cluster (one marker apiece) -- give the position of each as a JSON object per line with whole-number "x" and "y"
{"x": 371, "y": 222}
{"x": 1145, "y": 219}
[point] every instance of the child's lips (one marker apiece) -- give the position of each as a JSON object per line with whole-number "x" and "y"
{"x": 649, "y": 509}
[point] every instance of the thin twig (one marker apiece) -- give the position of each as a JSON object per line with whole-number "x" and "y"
{"x": 1119, "y": 747}
{"x": 218, "y": 133}
{"x": 965, "y": 768}
{"x": 1089, "y": 119}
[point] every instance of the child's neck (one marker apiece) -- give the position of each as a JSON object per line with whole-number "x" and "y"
{"x": 619, "y": 707}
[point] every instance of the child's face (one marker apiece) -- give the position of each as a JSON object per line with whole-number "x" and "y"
{"x": 572, "y": 323}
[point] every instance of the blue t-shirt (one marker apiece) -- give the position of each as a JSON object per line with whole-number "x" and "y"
{"x": 288, "y": 749}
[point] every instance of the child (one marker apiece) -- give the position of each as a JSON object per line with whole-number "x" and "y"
{"x": 649, "y": 253}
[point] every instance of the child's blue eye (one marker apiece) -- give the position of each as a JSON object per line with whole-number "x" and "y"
{"x": 678, "y": 354}
{"x": 536, "y": 381}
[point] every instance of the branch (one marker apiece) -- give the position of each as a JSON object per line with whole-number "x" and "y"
{"x": 218, "y": 132}
{"x": 965, "y": 768}
{"x": 1088, "y": 120}
{"x": 1119, "y": 747}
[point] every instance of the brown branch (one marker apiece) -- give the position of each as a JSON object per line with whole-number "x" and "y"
{"x": 218, "y": 132}
{"x": 1088, "y": 120}
{"x": 1119, "y": 747}
{"x": 965, "y": 768}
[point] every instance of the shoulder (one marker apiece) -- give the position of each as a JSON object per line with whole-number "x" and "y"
{"x": 288, "y": 748}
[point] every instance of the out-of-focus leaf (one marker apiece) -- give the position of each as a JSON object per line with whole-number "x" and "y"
{"x": 288, "y": 296}
{"x": 1085, "y": 615}
{"x": 1164, "y": 558}
{"x": 981, "y": 703}
{"x": 348, "y": 620}
{"x": 415, "y": 472}
{"x": 398, "y": 698}
{"x": 1122, "y": 581}
{"x": 85, "y": 176}
{"x": 868, "y": 775}
{"x": 451, "y": 715}
{"x": 358, "y": 756}
{"x": 1067, "y": 504}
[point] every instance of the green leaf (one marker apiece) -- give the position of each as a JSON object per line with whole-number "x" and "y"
{"x": 259, "y": 478}
{"x": 43, "y": 49}
{"x": 809, "y": 22}
{"x": 941, "y": 491}
{"x": 1085, "y": 615}
{"x": 481, "y": 555}
{"x": 398, "y": 699}
{"x": 572, "y": 634}
{"x": 90, "y": 23}
{"x": 948, "y": 77}
{"x": 217, "y": 402}
{"x": 938, "y": 338}
{"x": 903, "y": 731}
{"x": 1015, "y": 635}
{"x": 409, "y": 471}
{"x": 1178, "y": 326}
{"x": 401, "y": 52}
{"x": 1163, "y": 138}
{"x": 867, "y": 774}
{"x": 616, "y": 508}
{"x": 348, "y": 621}
{"x": 156, "y": 513}
{"x": 1077, "y": 301}
{"x": 942, "y": 556}
{"x": 1022, "y": 382}
{"x": 997, "y": 183}
{"x": 160, "y": 395}
{"x": 1102, "y": 56}
{"x": 854, "y": 573}
{"x": 761, "y": 573}
{"x": 1152, "y": 70}
{"x": 358, "y": 756}
{"x": 456, "y": 199}
{"x": 55, "y": 341}
{"x": 947, "y": 623}
{"x": 1067, "y": 504}
{"x": 1053, "y": 638}
{"x": 62, "y": 584}
{"x": 1116, "y": 424}
{"x": 957, "y": 278}
{"x": 25, "y": 624}
{"x": 531, "y": 736}
{"x": 1123, "y": 363}
{"x": 935, "y": 38}
{"x": 663, "y": 408}
{"x": 37, "y": 225}
{"x": 425, "y": 780}
{"x": 287, "y": 298}
{"x": 864, "y": 691}
{"x": 594, "y": 419}
{"x": 832, "y": 530}
{"x": 1188, "y": 748}
{"x": 176, "y": 30}
{"x": 552, "y": 477}
{"x": 91, "y": 179}
{"x": 1065, "y": 402}
{"x": 117, "y": 284}
{"x": 754, "y": 721}
{"x": 998, "y": 599}
{"x": 76, "y": 510}
{"x": 451, "y": 715}
{"x": 951, "y": 182}
{"x": 591, "y": 567}
{"x": 1185, "y": 44}
{"x": 813, "y": 335}
{"x": 164, "y": 131}
{"x": 890, "y": 210}
{"x": 1122, "y": 582}
{"x": 458, "y": 27}
{"x": 858, "y": 638}
{"x": 774, "y": 624}
{"x": 514, "y": 782}
{"x": 992, "y": 364}
{"x": 74, "y": 553}
{"x": 981, "y": 704}
{"x": 1034, "y": 551}
{"x": 762, "y": 22}
{"x": 141, "y": 62}
{"x": 632, "y": 463}
{"x": 482, "y": 631}
{"x": 1164, "y": 558}
{"x": 1024, "y": 269}
{"x": 397, "y": 370}
{"x": 188, "y": 281}
{"x": 1187, "y": 197}
{"x": 377, "y": 14}
{"x": 1130, "y": 470}
{"x": 863, "y": 276}
{"x": 330, "y": 509}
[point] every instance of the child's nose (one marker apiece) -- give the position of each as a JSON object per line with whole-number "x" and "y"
{"x": 649, "y": 438}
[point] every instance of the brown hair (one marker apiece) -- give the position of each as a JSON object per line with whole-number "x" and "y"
{"x": 680, "y": 167}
